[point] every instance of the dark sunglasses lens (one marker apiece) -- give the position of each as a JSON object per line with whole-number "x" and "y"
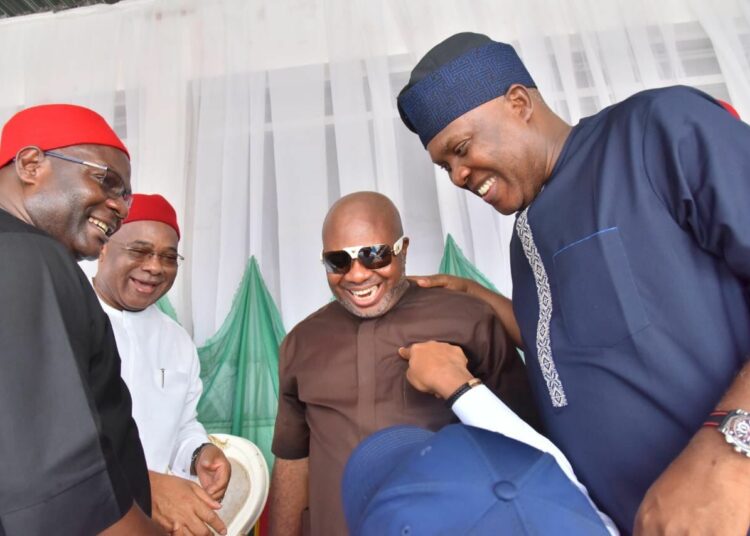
{"x": 374, "y": 257}
{"x": 337, "y": 262}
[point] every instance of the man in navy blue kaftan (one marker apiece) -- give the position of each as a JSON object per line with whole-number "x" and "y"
{"x": 630, "y": 263}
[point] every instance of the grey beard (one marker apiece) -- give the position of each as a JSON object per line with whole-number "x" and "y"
{"x": 388, "y": 302}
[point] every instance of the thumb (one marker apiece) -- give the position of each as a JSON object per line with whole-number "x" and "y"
{"x": 404, "y": 352}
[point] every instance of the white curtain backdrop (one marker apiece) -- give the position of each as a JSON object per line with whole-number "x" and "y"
{"x": 252, "y": 116}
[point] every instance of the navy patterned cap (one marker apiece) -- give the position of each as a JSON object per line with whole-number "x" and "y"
{"x": 457, "y": 75}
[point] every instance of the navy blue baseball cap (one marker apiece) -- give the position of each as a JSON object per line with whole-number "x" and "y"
{"x": 407, "y": 481}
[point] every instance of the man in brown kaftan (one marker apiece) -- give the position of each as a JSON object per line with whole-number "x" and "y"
{"x": 340, "y": 375}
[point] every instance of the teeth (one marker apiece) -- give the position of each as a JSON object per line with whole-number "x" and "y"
{"x": 365, "y": 292}
{"x": 485, "y": 187}
{"x": 100, "y": 224}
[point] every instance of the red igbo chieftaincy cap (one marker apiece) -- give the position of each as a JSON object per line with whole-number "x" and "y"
{"x": 152, "y": 207}
{"x": 51, "y": 126}
{"x": 729, "y": 108}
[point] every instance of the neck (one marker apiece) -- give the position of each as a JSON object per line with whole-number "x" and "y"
{"x": 11, "y": 201}
{"x": 559, "y": 131}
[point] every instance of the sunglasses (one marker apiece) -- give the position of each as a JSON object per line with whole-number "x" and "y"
{"x": 371, "y": 257}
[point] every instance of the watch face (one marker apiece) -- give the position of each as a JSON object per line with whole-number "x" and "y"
{"x": 737, "y": 430}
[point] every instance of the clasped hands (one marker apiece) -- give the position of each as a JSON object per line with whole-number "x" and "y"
{"x": 184, "y": 508}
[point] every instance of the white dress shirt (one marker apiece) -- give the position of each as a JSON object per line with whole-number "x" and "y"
{"x": 161, "y": 369}
{"x": 480, "y": 408}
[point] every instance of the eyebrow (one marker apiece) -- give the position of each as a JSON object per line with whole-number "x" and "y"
{"x": 149, "y": 244}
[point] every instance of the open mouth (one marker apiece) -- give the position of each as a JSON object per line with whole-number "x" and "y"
{"x": 103, "y": 226}
{"x": 364, "y": 297}
{"x": 485, "y": 186}
{"x": 143, "y": 287}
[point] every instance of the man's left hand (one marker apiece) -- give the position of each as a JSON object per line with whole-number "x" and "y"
{"x": 705, "y": 490}
{"x": 213, "y": 471}
{"x": 436, "y": 367}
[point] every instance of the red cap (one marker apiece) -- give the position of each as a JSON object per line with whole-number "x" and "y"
{"x": 152, "y": 208}
{"x": 729, "y": 108}
{"x": 51, "y": 126}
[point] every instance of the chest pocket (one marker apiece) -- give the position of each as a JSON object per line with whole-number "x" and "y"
{"x": 598, "y": 298}
{"x": 172, "y": 385}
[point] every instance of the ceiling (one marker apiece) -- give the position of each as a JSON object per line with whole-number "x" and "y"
{"x": 11, "y": 8}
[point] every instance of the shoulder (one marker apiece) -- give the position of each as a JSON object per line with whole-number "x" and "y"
{"x": 320, "y": 319}
{"x": 28, "y": 256}
{"x": 167, "y": 325}
{"x": 670, "y": 104}
{"x": 32, "y": 248}
{"x": 315, "y": 329}
{"x": 446, "y": 300}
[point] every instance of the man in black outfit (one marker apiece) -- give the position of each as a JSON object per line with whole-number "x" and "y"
{"x": 71, "y": 461}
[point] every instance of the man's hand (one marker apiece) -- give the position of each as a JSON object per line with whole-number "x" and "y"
{"x": 502, "y": 306}
{"x": 705, "y": 490}
{"x": 436, "y": 367}
{"x": 451, "y": 282}
{"x": 182, "y": 507}
{"x": 213, "y": 471}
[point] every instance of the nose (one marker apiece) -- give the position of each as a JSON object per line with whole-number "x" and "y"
{"x": 118, "y": 206}
{"x": 460, "y": 176}
{"x": 152, "y": 264}
{"x": 357, "y": 273}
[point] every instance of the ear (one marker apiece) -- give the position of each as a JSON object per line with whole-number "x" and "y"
{"x": 404, "y": 248}
{"x": 519, "y": 99}
{"x": 29, "y": 165}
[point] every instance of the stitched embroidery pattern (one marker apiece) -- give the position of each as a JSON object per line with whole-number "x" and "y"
{"x": 544, "y": 296}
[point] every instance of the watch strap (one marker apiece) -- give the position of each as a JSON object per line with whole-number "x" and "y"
{"x": 715, "y": 418}
{"x": 461, "y": 391}
{"x": 194, "y": 457}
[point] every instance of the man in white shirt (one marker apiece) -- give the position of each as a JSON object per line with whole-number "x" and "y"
{"x": 440, "y": 368}
{"x": 161, "y": 368}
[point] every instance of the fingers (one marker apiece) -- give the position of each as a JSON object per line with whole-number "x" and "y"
{"x": 219, "y": 486}
{"x": 205, "y": 497}
{"x": 212, "y": 519}
{"x": 215, "y": 481}
{"x": 181, "y": 531}
{"x": 405, "y": 352}
{"x": 425, "y": 281}
{"x": 204, "y": 515}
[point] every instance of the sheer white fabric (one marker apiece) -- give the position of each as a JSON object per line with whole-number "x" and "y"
{"x": 252, "y": 116}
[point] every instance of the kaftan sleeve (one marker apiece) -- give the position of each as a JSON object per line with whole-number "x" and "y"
{"x": 480, "y": 408}
{"x": 697, "y": 157}
{"x": 291, "y": 437}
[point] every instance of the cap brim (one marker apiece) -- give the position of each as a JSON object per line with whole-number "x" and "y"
{"x": 372, "y": 462}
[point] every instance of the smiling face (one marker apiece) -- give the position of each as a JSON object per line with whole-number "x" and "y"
{"x": 366, "y": 219}
{"x": 125, "y": 280}
{"x": 67, "y": 201}
{"x": 493, "y": 151}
